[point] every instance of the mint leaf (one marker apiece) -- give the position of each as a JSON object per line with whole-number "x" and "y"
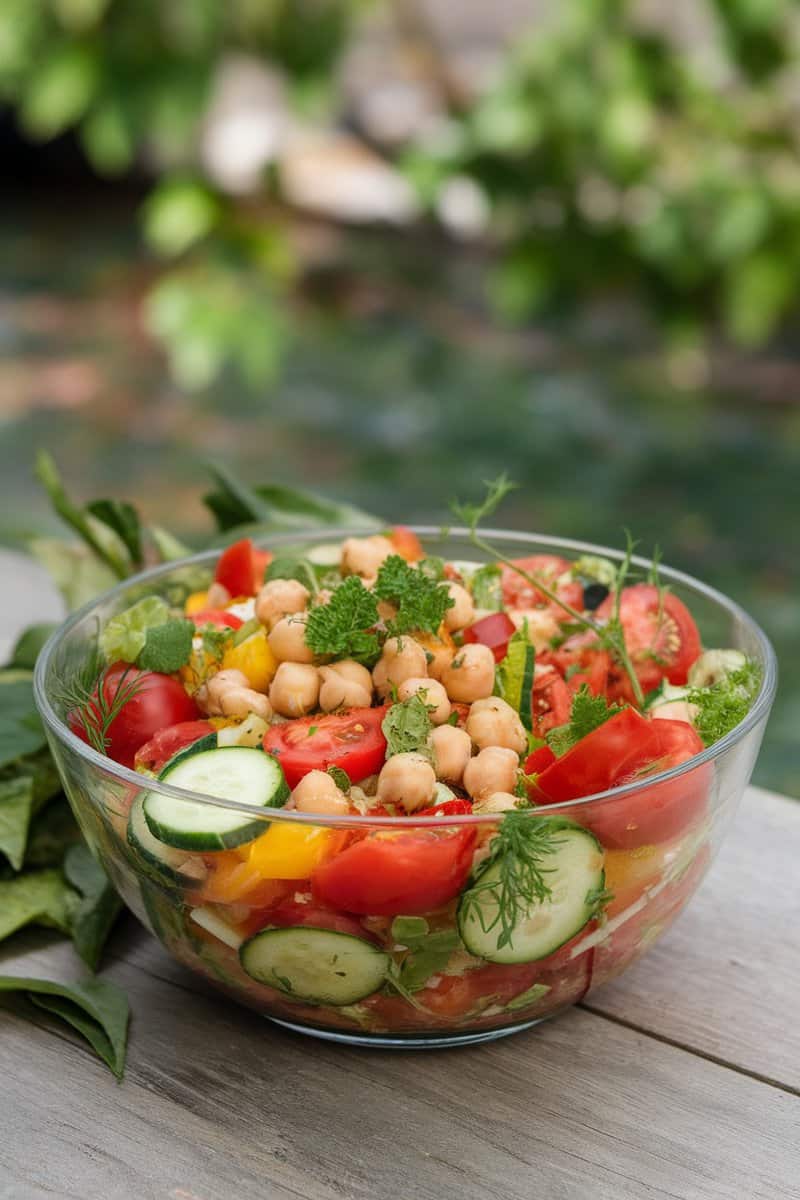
{"x": 95, "y": 914}
{"x": 124, "y": 635}
{"x": 344, "y": 627}
{"x": 36, "y": 897}
{"x": 421, "y": 600}
{"x": 97, "y": 1008}
{"x": 588, "y": 713}
{"x": 16, "y": 808}
{"x": 167, "y": 647}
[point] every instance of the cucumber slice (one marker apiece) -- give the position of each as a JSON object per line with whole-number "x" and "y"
{"x": 575, "y": 877}
{"x": 318, "y": 966}
{"x": 231, "y": 772}
{"x": 170, "y": 865}
{"x": 208, "y": 742}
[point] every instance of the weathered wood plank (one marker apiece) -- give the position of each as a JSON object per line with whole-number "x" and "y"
{"x": 722, "y": 980}
{"x": 217, "y": 1103}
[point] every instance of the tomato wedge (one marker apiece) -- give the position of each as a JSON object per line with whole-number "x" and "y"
{"x": 519, "y": 593}
{"x": 580, "y": 660}
{"x": 241, "y": 568}
{"x": 494, "y": 631}
{"x": 406, "y": 543}
{"x": 602, "y": 759}
{"x": 167, "y": 742}
{"x": 551, "y": 701}
{"x": 660, "y": 633}
{"x": 352, "y": 740}
{"x": 219, "y": 617}
{"x": 393, "y": 872}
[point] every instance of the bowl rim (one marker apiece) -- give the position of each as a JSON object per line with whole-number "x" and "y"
{"x": 125, "y": 775}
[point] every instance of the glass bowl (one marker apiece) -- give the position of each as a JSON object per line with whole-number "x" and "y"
{"x": 426, "y": 989}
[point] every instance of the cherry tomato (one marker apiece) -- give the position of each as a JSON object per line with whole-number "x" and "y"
{"x": 406, "y": 543}
{"x": 494, "y": 631}
{"x": 219, "y": 617}
{"x": 352, "y": 740}
{"x": 551, "y": 701}
{"x": 660, "y": 633}
{"x": 167, "y": 742}
{"x": 580, "y": 661}
{"x": 519, "y": 593}
{"x": 241, "y": 568}
{"x": 156, "y": 700}
{"x": 393, "y": 872}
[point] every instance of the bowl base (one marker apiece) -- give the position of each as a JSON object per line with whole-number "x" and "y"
{"x": 413, "y": 1041}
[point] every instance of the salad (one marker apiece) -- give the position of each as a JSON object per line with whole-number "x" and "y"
{"x": 355, "y": 684}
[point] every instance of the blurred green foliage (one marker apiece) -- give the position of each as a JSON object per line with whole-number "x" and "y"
{"x": 611, "y": 156}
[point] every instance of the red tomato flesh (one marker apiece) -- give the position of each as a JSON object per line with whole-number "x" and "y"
{"x": 241, "y": 568}
{"x": 167, "y": 742}
{"x": 602, "y": 759}
{"x": 219, "y": 617}
{"x": 520, "y": 593}
{"x": 660, "y": 633}
{"x": 494, "y": 631}
{"x": 353, "y": 741}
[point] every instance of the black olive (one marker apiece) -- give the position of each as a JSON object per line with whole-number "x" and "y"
{"x": 594, "y": 595}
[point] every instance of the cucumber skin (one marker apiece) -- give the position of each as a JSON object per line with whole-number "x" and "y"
{"x": 555, "y": 824}
{"x": 351, "y": 998}
{"x": 207, "y": 742}
{"x": 156, "y": 867}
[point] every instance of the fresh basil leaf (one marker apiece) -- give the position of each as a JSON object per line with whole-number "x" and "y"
{"x": 167, "y": 647}
{"x": 36, "y": 898}
{"x": 99, "y": 907}
{"x": 16, "y": 809}
{"x": 123, "y": 520}
{"x": 28, "y": 644}
{"x": 20, "y": 729}
{"x": 97, "y": 1008}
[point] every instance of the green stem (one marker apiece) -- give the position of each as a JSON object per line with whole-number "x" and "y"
{"x": 47, "y": 474}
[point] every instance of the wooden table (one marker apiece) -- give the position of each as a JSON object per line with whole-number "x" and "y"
{"x": 681, "y": 1080}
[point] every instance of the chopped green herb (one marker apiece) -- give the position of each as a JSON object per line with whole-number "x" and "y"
{"x": 340, "y": 778}
{"x": 587, "y": 713}
{"x": 345, "y": 626}
{"x": 420, "y": 600}
{"x": 427, "y": 952}
{"x": 216, "y": 640}
{"x": 407, "y": 727}
{"x": 725, "y": 703}
{"x": 123, "y": 637}
{"x": 167, "y": 647}
{"x": 514, "y": 675}
{"x": 486, "y": 588}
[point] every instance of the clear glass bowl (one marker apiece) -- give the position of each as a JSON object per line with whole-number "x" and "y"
{"x": 467, "y": 999}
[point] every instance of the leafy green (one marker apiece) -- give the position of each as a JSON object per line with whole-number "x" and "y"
{"x": 534, "y": 993}
{"x": 344, "y": 627}
{"x": 340, "y": 778}
{"x": 99, "y": 907}
{"x": 28, "y": 644}
{"x": 123, "y": 520}
{"x": 77, "y": 572}
{"x": 487, "y": 591}
{"x": 514, "y": 675}
{"x": 293, "y": 566}
{"x": 587, "y": 713}
{"x": 106, "y": 547}
{"x": 407, "y": 727}
{"x": 20, "y": 728}
{"x": 274, "y": 507}
{"x": 49, "y": 835}
{"x": 36, "y": 897}
{"x": 16, "y": 809}
{"x": 97, "y": 1008}
{"x": 215, "y": 640}
{"x": 421, "y": 600}
{"x": 167, "y": 647}
{"x": 725, "y": 703}
{"x": 428, "y": 952}
{"x": 123, "y": 637}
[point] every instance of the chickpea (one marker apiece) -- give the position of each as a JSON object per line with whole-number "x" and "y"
{"x": 280, "y": 597}
{"x": 363, "y": 556}
{"x": 463, "y": 611}
{"x": 439, "y": 652}
{"x": 317, "y": 793}
{"x": 228, "y": 694}
{"x": 542, "y": 625}
{"x": 402, "y": 659}
{"x": 452, "y": 749}
{"x": 493, "y": 770}
{"x": 433, "y": 696}
{"x": 498, "y": 802}
{"x": 408, "y": 780}
{"x": 218, "y": 596}
{"x": 295, "y": 689}
{"x": 493, "y": 722}
{"x": 345, "y": 684}
{"x": 287, "y": 639}
{"x": 470, "y": 676}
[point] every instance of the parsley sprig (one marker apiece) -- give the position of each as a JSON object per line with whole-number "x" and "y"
{"x": 513, "y": 877}
{"x": 610, "y": 635}
{"x": 345, "y": 626}
{"x": 587, "y": 713}
{"x": 421, "y": 600}
{"x": 725, "y": 703}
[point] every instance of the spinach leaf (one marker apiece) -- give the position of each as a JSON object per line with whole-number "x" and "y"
{"x": 50, "y": 833}
{"x": 274, "y": 507}
{"x": 16, "y": 809}
{"x": 95, "y": 914}
{"x": 428, "y": 952}
{"x": 123, "y": 520}
{"x": 28, "y": 644}
{"x": 96, "y": 1008}
{"x": 20, "y": 729}
{"x": 36, "y": 897}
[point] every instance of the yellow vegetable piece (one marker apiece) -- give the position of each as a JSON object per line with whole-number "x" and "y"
{"x": 290, "y": 851}
{"x": 195, "y": 603}
{"x": 254, "y": 658}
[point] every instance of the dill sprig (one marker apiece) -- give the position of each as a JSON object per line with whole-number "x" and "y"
{"x": 513, "y": 876}
{"x": 611, "y": 635}
{"x": 86, "y": 698}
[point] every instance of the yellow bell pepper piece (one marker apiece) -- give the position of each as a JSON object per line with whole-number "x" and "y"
{"x": 290, "y": 851}
{"x": 195, "y": 603}
{"x": 254, "y": 658}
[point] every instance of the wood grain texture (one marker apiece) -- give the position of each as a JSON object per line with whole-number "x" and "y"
{"x": 724, "y": 980}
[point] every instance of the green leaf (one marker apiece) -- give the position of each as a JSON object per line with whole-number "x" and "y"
{"x": 60, "y": 89}
{"x": 725, "y": 703}
{"x": 421, "y": 601}
{"x": 407, "y": 727}
{"x": 84, "y": 525}
{"x": 123, "y": 520}
{"x": 293, "y": 566}
{"x": 178, "y": 213}
{"x": 514, "y": 676}
{"x": 428, "y": 952}
{"x": 77, "y": 573}
{"x": 340, "y": 778}
{"x": 274, "y": 507}
{"x": 587, "y": 713}
{"x": 97, "y": 1008}
{"x": 28, "y": 644}
{"x": 486, "y": 588}
{"x": 20, "y": 729}
{"x": 123, "y": 637}
{"x": 528, "y": 997}
{"x": 36, "y": 897}
{"x": 167, "y": 647}
{"x": 344, "y": 627}
{"x": 16, "y": 808}
{"x": 50, "y": 833}
{"x": 169, "y": 547}
{"x": 99, "y": 907}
